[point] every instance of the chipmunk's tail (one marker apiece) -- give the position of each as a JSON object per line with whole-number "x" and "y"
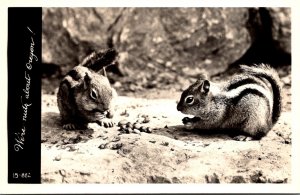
{"x": 98, "y": 60}
{"x": 270, "y": 74}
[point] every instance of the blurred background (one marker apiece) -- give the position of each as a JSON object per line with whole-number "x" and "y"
{"x": 165, "y": 48}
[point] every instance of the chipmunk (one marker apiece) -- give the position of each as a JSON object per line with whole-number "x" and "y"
{"x": 249, "y": 103}
{"x": 85, "y": 94}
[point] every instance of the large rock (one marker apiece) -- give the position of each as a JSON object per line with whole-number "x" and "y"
{"x": 164, "y": 39}
{"x": 281, "y": 27}
{"x": 183, "y": 39}
{"x": 69, "y": 34}
{"x": 167, "y": 45}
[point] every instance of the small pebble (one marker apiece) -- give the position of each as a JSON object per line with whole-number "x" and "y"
{"x": 57, "y": 158}
{"x": 117, "y": 146}
{"x": 125, "y": 113}
{"x": 129, "y": 130}
{"x": 136, "y": 126}
{"x": 72, "y": 148}
{"x": 115, "y": 139}
{"x": 205, "y": 145}
{"x": 84, "y": 173}
{"x": 129, "y": 125}
{"x": 65, "y": 141}
{"x": 102, "y": 146}
{"x": 143, "y": 129}
{"x": 136, "y": 131}
{"x": 149, "y": 130}
{"x": 75, "y": 140}
{"x": 287, "y": 141}
{"x": 122, "y": 122}
{"x": 146, "y": 120}
{"x": 262, "y": 179}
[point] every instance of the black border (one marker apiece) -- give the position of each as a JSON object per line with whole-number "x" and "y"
{"x": 24, "y": 39}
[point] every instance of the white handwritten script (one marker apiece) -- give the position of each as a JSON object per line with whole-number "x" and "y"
{"x": 25, "y": 97}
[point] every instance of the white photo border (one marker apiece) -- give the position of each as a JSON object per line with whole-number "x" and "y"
{"x": 293, "y": 187}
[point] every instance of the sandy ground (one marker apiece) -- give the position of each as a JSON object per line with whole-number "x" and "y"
{"x": 169, "y": 154}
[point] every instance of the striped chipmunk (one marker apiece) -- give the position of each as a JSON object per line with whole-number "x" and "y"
{"x": 85, "y": 94}
{"x": 249, "y": 104}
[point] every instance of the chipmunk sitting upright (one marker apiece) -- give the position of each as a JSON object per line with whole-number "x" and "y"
{"x": 249, "y": 103}
{"x": 85, "y": 94}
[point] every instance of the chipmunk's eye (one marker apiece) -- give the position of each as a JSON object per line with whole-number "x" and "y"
{"x": 189, "y": 99}
{"x": 94, "y": 94}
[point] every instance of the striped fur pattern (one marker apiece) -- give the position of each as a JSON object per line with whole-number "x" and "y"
{"x": 85, "y": 94}
{"x": 249, "y": 103}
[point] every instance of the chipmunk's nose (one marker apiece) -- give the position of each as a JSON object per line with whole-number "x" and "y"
{"x": 179, "y": 107}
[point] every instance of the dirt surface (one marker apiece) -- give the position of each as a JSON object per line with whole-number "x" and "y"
{"x": 167, "y": 154}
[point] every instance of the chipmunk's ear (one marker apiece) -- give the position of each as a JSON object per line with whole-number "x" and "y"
{"x": 103, "y": 72}
{"x": 87, "y": 81}
{"x": 201, "y": 77}
{"x": 205, "y": 87}
{"x": 199, "y": 82}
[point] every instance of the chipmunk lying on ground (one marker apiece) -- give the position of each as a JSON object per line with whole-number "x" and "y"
{"x": 85, "y": 94}
{"x": 249, "y": 103}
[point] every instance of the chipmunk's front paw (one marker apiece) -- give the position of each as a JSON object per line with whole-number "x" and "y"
{"x": 69, "y": 126}
{"x": 186, "y": 120}
{"x": 242, "y": 138}
{"x": 73, "y": 126}
{"x": 189, "y": 122}
{"x": 107, "y": 123}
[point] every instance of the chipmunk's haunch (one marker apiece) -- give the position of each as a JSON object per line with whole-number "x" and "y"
{"x": 85, "y": 94}
{"x": 250, "y": 102}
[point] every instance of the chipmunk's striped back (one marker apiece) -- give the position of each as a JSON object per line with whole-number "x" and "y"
{"x": 265, "y": 72}
{"x": 260, "y": 80}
